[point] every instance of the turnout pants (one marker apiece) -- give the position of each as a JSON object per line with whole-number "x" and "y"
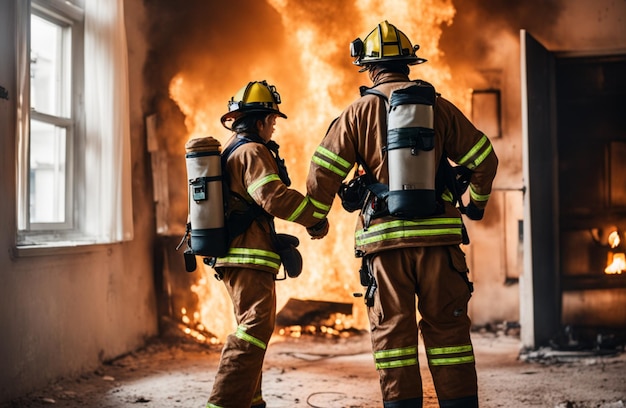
{"x": 238, "y": 379}
{"x": 438, "y": 277}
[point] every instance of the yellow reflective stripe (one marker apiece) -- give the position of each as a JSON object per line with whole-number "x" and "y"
{"x": 331, "y": 161}
{"x": 318, "y": 215}
{"x": 241, "y": 333}
{"x": 261, "y": 182}
{"x": 325, "y": 164}
{"x": 478, "y": 197}
{"x": 256, "y": 399}
{"x": 481, "y": 158}
{"x": 332, "y": 156}
{"x": 465, "y": 159}
{"x": 438, "y": 351}
{"x": 408, "y": 229}
{"x": 209, "y": 405}
{"x": 472, "y": 159}
{"x": 319, "y": 205}
{"x": 447, "y": 196}
{"x": 434, "y": 351}
{"x": 252, "y": 256}
{"x": 451, "y": 360}
{"x": 413, "y": 223}
{"x": 298, "y": 210}
{"x": 396, "y": 363}
{"x": 395, "y": 352}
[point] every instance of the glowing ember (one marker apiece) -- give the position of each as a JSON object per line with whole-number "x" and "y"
{"x": 614, "y": 239}
{"x": 316, "y": 79}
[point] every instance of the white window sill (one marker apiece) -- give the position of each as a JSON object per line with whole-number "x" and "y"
{"x": 60, "y": 248}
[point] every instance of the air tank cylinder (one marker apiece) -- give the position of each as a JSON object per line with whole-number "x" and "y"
{"x": 411, "y": 152}
{"x": 206, "y": 204}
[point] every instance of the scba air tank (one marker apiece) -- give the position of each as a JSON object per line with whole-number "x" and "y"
{"x": 206, "y": 204}
{"x": 411, "y": 152}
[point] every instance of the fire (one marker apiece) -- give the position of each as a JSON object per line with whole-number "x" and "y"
{"x": 316, "y": 82}
{"x": 616, "y": 262}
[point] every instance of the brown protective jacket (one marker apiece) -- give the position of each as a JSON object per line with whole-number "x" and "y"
{"x": 253, "y": 176}
{"x": 362, "y": 128}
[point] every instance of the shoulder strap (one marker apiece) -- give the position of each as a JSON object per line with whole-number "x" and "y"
{"x": 240, "y": 140}
{"x": 239, "y": 222}
{"x": 372, "y": 91}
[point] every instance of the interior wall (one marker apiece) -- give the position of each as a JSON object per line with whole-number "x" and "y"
{"x": 64, "y": 312}
{"x": 482, "y": 49}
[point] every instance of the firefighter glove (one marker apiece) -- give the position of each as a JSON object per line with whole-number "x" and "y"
{"x": 473, "y": 212}
{"x": 319, "y": 230}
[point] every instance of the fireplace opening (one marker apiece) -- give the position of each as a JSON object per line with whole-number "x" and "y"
{"x": 591, "y": 146}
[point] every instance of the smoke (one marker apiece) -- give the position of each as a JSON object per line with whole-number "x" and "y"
{"x": 478, "y": 22}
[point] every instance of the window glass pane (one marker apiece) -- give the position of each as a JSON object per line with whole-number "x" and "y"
{"x": 47, "y": 172}
{"x": 49, "y": 85}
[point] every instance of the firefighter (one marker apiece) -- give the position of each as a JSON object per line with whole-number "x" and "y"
{"x": 409, "y": 259}
{"x": 257, "y": 179}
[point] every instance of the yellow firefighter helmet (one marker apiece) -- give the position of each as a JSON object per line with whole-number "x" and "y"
{"x": 255, "y": 97}
{"x": 385, "y": 43}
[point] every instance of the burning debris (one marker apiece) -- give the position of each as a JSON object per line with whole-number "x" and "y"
{"x": 314, "y": 317}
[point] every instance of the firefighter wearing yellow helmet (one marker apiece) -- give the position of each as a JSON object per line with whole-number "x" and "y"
{"x": 255, "y": 97}
{"x": 408, "y": 260}
{"x": 384, "y": 44}
{"x": 259, "y": 191}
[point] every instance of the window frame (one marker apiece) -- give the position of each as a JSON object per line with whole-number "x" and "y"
{"x": 71, "y": 18}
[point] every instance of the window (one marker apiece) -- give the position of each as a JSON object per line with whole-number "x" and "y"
{"x": 73, "y": 124}
{"x": 50, "y": 179}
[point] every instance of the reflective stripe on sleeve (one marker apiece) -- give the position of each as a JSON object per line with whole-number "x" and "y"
{"x": 478, "y": 197}
{"x": 477, "y": 154}
{"x": 261, "y": 182}
{"x": 323, "y": 208}
{"x": 298, "y": 210}
{"x": 331, "y": 161}
{"x": 400, "y": 357}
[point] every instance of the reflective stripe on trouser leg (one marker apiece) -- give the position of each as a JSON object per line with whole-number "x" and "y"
{"x": 394, "y": 328}
{"x": 443, "y": 296}
{"x": 238, "y": 378}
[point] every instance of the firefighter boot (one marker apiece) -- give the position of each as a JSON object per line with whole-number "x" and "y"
{"x": 407, "y": 403}
{"x": 465, "y": 402}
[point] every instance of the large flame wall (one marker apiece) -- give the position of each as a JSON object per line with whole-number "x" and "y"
{"x": 302, "y": 48}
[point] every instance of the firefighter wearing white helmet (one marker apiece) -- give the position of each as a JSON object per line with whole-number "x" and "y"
{"x": 258, "y": 188}
{"x": 414, "y": 258}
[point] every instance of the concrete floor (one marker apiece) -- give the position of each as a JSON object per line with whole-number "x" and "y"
{"x": 336, "y": 373}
